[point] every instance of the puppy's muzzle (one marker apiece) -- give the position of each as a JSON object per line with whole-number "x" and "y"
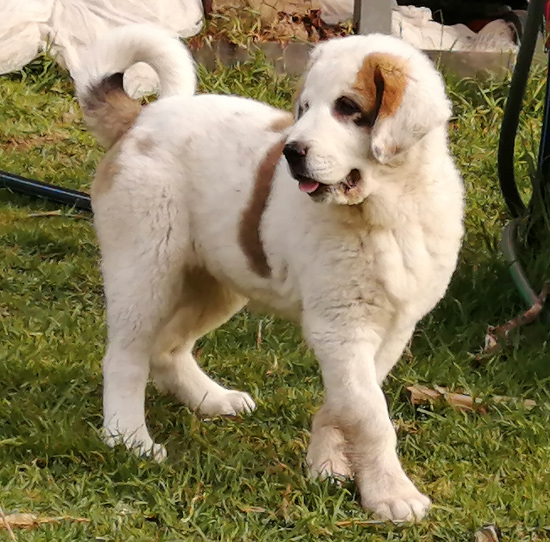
{"x": 295, "y": 154}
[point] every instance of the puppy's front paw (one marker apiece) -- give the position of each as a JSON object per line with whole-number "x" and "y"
{"x": 393, "y": 497}
{"x": 226, "y": 403}
{"x": 142, "y": 447}
{"x": 326, "y": 456}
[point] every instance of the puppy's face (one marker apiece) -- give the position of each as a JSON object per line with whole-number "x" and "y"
{"x": 366, "y": 100}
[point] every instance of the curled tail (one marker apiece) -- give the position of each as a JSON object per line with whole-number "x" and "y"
{"x": 108, "y": 110}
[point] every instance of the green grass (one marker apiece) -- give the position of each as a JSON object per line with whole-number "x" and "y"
{"x": 244, "y": 479}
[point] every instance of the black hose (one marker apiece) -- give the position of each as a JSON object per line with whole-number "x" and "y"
{"x": 510, "y": 122}
{"x": 544, "y": 149}
{"x": 512, "y": 110}
{"x": 29, "y": 187}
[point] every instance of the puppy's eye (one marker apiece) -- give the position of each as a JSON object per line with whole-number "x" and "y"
{"x": 346, "y": 107}
{"x": 302, "y": 108}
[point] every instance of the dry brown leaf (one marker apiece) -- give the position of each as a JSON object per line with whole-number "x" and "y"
{"x": 460, "y": 401}
{"x": 422, "y": 394}
{"x": 285, "y": 504}
{"x": 497, "y": 336}
{"x": 17, "y": 521}
{"x": 527, "y": 403}
{"x": 29, "y": 521}
{"x": 259, "y": 336}
{"x": 45, "y": 213}
{"x": 252, "y": 509}
{"x": 56, "y": 213}
{"x": 8, "y": 528}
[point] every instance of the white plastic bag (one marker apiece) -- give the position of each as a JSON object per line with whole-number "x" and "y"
{"x": 75, "y": 23}
{"x": 23, "y": 31}
{"x": 29, "y": 26}
{"x": 416, "y": 26}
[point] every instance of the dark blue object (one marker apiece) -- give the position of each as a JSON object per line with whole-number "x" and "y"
{"x": 38, "y": 189}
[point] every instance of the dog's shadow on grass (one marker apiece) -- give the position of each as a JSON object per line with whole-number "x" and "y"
{"x": 55, "y": 409}
{"x": 452, "y": 336}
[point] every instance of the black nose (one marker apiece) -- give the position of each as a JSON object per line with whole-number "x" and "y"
{"x": 295, "y": 154}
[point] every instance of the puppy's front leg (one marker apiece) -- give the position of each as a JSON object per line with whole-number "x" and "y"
{"x": 355, "y": 406}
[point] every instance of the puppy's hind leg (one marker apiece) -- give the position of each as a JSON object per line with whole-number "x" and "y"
{"x": 141, "y": 266}
{"x": 205, "y": 304}
{"x": 125, "y": 373}
{"x": 133, "y": 313}
{"x": 139, "y": 298}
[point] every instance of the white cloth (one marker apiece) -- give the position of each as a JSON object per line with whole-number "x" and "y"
{"x": 336, "y": 11}
{"x": 22, "y": 31}
{"x": 416, "y": 26}
{"x": 28, "y": 27}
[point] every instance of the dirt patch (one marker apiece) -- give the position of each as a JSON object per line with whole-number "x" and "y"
{"x": 18, "y": 143}
{"x": 241, "y": 22}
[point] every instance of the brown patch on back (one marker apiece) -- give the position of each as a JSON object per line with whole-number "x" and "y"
{"x": 249, "y": 228}
{"x": 106, "y": 172}
{"x": 144, "y": 145}
{"x": 109, "y": 111}
{"x": 282, "y": 123}
{"x": 380, "y": 84}
{"x": 108, "y": 168}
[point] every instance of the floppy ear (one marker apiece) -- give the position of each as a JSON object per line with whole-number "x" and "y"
{"x": 401, "y": 109}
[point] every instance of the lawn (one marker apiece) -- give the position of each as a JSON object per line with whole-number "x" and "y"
{"x": 244, "y": 479}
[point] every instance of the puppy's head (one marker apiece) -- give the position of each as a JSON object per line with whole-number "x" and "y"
{"x": 366, "y": 101}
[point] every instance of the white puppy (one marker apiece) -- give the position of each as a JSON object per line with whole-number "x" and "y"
{"x": 353, "y": 233}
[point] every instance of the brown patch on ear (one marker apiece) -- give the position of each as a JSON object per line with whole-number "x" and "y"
{"x": 251, "y": 218}
{"x": 282, "y": 123}
{"x": 380, "y": 85}
{"x": 106, "y": 172}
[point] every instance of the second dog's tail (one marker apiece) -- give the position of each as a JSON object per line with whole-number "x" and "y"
{"x": 108, "y": 110}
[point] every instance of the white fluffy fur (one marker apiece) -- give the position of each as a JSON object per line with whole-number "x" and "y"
{"x": 125, "y": 46}
{"x": 356, "y": 277}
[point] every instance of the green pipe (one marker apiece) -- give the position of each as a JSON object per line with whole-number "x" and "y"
{"x": 508, "y": 247}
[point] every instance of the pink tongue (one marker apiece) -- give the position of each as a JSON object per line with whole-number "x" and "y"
{"x": 308, "y": 186}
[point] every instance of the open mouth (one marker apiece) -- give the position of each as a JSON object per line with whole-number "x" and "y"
{"x": 314, "y": 188}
